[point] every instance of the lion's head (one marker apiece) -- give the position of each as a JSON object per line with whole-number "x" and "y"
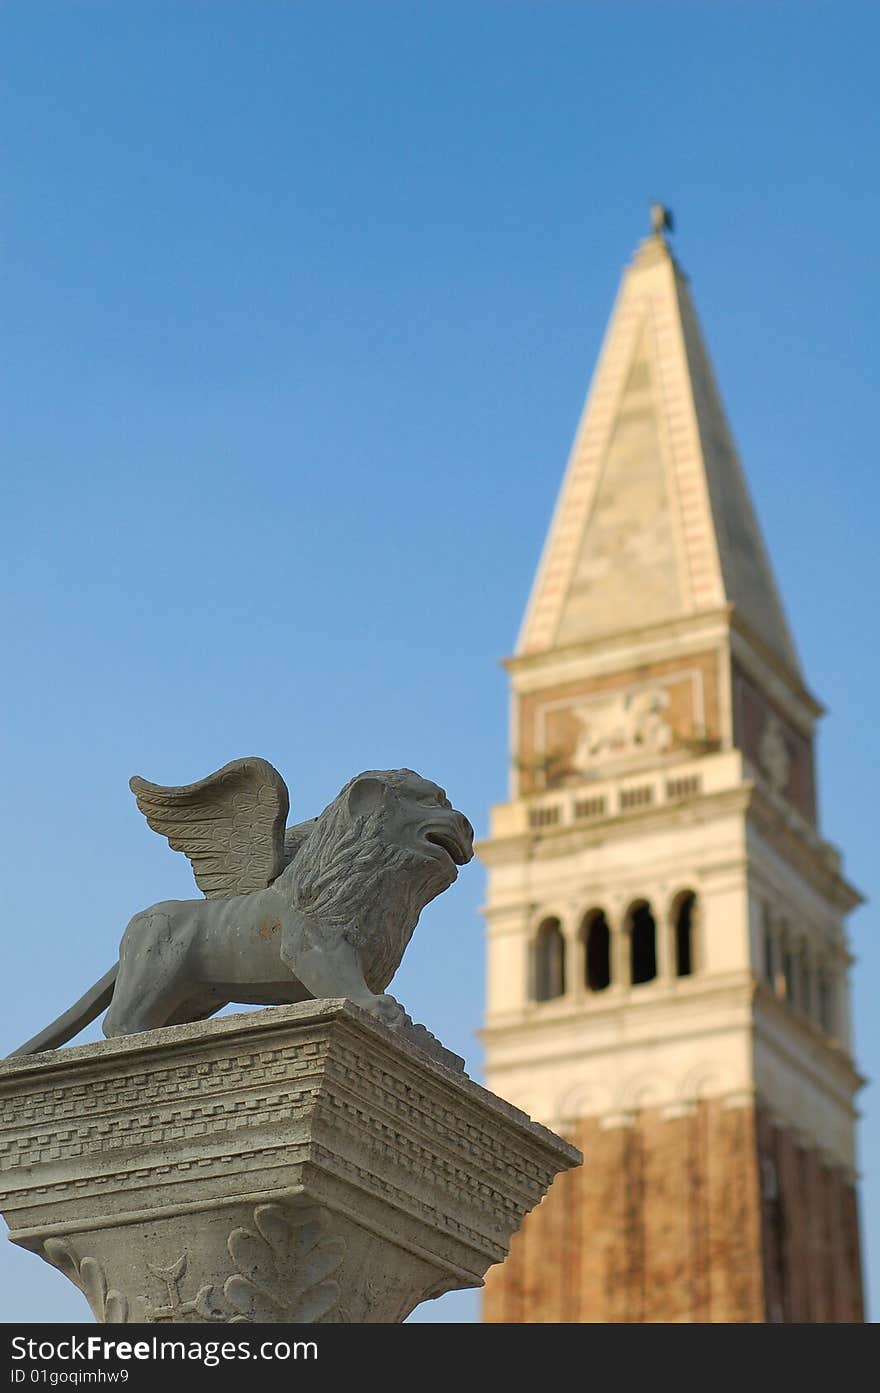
{"x": 388, "y": 844}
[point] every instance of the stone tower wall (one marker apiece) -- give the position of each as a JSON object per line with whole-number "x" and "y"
{"x": 716, "y": 1215}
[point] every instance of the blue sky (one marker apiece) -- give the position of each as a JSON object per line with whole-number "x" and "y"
{"x": 300, "y": 302}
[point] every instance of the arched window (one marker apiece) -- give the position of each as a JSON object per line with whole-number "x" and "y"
{"x": 684, "y": 916}
{"x": 597, "y": 951}
{"x": 769, "y": 955}
{"x": 549, "y": 961}
{"x": 825, "y": 1002}
{"x": 643, "y": 943}
{"x": 787, "y": 968}
{"x": 805, "y": 983}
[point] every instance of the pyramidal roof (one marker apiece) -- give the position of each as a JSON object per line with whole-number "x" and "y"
{"x": 654, "y": 520}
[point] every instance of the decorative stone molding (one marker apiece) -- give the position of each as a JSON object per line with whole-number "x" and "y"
{"x": 774, "y": 753}
{"x": 300, "y": 1164}
{"x": 109, "y": 1307}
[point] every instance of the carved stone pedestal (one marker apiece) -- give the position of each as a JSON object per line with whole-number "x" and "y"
{"x": 297, "y": 1164}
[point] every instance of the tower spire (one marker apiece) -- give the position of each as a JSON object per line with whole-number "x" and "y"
{"x": 654, "y": 520}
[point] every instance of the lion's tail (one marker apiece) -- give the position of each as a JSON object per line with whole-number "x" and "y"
{"x": 80, "y": 1014}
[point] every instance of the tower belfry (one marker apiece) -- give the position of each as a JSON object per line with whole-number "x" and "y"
{"x": 667, "y": 955}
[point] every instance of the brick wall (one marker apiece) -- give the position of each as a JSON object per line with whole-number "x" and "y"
{"x": 812, "y": 1252}
{"x": 681, "y": 1219}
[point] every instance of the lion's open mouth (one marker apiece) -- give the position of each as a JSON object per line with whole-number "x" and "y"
{"x": 450, "y": 844}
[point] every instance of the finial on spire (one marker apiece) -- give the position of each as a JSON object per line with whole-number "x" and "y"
{"x": 661, "y": 219}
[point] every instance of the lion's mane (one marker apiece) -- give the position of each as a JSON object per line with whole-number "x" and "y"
{"x": 345, "y": 875}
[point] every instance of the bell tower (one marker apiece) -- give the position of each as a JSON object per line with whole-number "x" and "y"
{"x": 667, "y": 953}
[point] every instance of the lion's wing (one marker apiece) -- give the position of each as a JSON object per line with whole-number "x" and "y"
{"x": 230, "y": 825}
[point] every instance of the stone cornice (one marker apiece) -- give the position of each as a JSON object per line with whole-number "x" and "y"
{"x": 712, "y": 622}
{"x": 734, "y": 990}
{"x": 804, "y": 1046}
{"x": 559, "y": 841}
{"x": 816, "y": 861}
{"x": 767, "y": 659}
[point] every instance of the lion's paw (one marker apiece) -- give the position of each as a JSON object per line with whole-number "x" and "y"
{"x": 389, "y": 1012}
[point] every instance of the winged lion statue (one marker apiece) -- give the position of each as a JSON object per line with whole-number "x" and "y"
{"x": 324, "y": 908}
